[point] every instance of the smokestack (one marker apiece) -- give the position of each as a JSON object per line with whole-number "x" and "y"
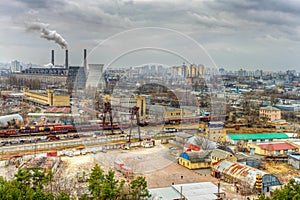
{"x": 84, "y": 61}
{"x": 67, "y": 59}
{"x": 52, "y": 57}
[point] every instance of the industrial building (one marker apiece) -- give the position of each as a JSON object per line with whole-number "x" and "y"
{"x": 56, "y": 75}
{"x": 255, "y": 137}
{"x": 245, "y": 178}
{"x": 49, "y": 97}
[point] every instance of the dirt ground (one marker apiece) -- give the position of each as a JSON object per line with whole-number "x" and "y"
{"x": 283, "y": 171}
{"x": 157, "y": 164}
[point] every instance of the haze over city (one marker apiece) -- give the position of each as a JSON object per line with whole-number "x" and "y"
{"x": 236, "y": 34}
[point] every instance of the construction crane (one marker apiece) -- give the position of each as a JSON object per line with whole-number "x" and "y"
{"x": 134, "y": 111}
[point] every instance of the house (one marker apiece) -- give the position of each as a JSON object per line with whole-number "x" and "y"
{"x": 218, "y": 154}
{"x": 195, "y": 160}
{"x": 269, "y": 113}
{"x": 294, "y": 160}
{"x": 255, "y": 137}
{"x": 188, "y": 191}
{"x": 270, "y": 149}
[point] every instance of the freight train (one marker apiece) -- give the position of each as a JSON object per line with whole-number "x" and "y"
{"x": 56, "y": 129}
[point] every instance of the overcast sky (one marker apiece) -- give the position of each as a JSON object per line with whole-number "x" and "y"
{"x": 232, "y": 34}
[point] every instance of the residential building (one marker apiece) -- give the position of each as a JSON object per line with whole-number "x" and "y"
{"x": 269, "y": 113}
{"x": 15, "y": 66}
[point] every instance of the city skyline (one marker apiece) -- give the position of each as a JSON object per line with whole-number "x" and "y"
{"x": 235, "y": 34}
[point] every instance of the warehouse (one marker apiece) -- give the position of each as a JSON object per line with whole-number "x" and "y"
{"x": 244, "y": 177}
{"x": 255, "y": 137}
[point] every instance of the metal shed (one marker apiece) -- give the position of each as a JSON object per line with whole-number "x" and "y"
{"x": 244, "y": 176}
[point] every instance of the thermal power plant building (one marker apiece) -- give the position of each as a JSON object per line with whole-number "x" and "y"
{"x": 56, "y": 75}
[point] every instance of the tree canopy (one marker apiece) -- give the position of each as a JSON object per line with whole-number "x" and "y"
{"x": 35, "y": 184}
{"x": 290, "y": 191}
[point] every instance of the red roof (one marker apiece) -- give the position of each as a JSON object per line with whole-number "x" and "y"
{"x": 277, "y": 146}
{"x": 192, "y": 147}
{"x": 58, "y": 110}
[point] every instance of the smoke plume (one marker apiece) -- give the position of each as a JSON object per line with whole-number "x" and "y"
{"x": 46, "y": 33}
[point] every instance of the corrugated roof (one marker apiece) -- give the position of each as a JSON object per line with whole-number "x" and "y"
{"x": 256, "y": 136}
{"x": 276, "y": 146}
{"x": 239, "y": 171}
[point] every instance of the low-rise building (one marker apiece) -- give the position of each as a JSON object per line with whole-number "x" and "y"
{"x": 255, "y": 137}
{"x": 218, "y": 154}
{"x": 195, "y": 160}
{"x": 244, "y": 177}
{"x": 294, "y": 160}
{"x": 270, "y": 149}
{"x": 269, "y": 113}
{"x": 189, "y": 191}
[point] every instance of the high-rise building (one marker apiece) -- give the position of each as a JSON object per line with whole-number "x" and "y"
{"x": 15, "y": 66}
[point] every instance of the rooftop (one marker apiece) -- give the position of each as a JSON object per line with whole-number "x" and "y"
{"x": 296, "y": 157}
{"x": 276, "y": 146}
{"x": 271, "y": 108}
{"x": 257, "y": 136}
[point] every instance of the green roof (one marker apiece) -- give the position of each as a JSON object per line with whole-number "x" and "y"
{"x": 258, "y": 136}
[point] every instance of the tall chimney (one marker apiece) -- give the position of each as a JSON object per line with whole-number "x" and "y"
{"x": 84, "y": 61}
{"x": 67, "y": 59}
{"x": 52, "y": 57}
